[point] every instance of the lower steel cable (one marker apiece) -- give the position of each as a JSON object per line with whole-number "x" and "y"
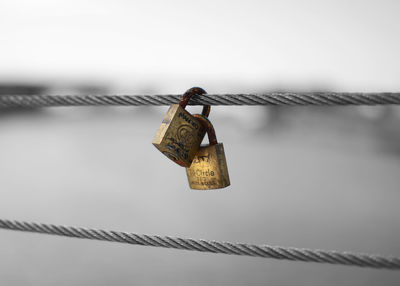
{"x": 265, "y": 251}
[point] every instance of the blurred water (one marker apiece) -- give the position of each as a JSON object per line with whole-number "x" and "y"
{"x": 314, "y": 178}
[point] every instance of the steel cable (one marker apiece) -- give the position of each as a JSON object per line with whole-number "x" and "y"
{"x": 271, "y": 98}
{"x": 265, "y": 251}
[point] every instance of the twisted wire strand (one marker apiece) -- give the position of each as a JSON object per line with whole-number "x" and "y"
{"x": 265, "y": 251}
{"x": 272, "y": 98}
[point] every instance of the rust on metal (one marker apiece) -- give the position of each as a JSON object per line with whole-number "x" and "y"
{"x": 180, "y": 134}
{"x": 209, "y": 169}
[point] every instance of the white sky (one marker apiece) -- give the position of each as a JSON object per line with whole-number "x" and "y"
{"x": 343, "y": 45}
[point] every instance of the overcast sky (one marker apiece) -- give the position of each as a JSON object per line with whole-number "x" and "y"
{"x": 343, "y": 45}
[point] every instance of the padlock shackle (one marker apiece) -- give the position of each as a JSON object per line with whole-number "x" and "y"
{"x": 195, "y": 91}
{"x": 207, "y": 125}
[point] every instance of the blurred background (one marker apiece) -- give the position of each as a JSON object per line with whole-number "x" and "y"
{"x": 314, "y": 177}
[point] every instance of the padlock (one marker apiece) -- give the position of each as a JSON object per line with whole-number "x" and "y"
{"x": 209, "y": 169}
{"x": 180, "y": 134}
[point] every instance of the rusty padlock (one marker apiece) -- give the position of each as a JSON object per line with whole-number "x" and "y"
{"x": 180, "y": 134}
{"x": 209, "y": 169}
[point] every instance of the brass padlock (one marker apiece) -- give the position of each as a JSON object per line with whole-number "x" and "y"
{"x": 180, "y": 134}
{"x": 209, "y": 169}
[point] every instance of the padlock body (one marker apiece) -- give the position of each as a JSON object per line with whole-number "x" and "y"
{"x": 179, "y": 136}
{"x": 209, "y": 169}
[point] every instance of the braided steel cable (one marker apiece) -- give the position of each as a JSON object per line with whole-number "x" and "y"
{"x": 272, "y": 98}
{"x": 265, "y": 251}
